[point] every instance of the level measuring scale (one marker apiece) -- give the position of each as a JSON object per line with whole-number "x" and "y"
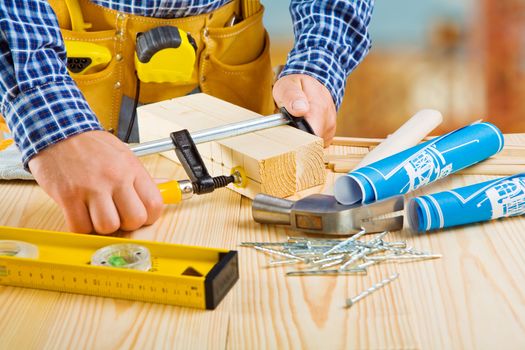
{"x": 116, "y": 267}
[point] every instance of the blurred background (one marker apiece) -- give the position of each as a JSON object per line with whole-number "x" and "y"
{"x": 465, "y": 58}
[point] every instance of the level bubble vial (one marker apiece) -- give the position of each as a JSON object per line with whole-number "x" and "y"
{"x": 18, "y": 249}
{"x": 124, "y": 256}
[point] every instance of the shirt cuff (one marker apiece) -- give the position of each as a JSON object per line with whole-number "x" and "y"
{"x": 47, "y": 114}
{"x": 321, "y": 65}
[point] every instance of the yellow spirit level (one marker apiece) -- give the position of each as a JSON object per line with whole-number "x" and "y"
{"x": 101, "y": 266}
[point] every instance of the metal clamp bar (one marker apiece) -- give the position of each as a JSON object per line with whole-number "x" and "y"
{"x": 212, "y": 134}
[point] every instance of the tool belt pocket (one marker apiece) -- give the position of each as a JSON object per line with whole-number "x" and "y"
{"x": 236, "y": 64}
{"x": 100, "y": 87}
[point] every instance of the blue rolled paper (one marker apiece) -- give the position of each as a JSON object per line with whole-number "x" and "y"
{"x": 420, "y": 165}
{"x": 475, "y": 203}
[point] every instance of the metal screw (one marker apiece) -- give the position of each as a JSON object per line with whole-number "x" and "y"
{"x": 320, "y": 256}
{"x": 355, "y": 259}
{"x": 261, "y": 244}
{"x": 325, "y": 272}
{"x": 284, "y": 262}
{"x": 404, "y": 257}
{"x": 346, "y": 242}
{"x": 366, "y": 264}
{"x": 277, "y": 252}
{"x": 363, "y": 294}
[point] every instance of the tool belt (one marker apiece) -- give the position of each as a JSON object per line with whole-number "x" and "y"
{"x": 233, "y": 61}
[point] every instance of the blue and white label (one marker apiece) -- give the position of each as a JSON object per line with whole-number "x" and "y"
{"x": 420, "y": 165}
{"x": 485, "y": 201}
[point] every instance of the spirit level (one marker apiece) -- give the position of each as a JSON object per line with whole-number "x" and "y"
{"x": 179, "y": 275}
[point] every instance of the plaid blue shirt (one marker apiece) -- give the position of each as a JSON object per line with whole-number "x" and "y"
{"x": 42, "y": 104}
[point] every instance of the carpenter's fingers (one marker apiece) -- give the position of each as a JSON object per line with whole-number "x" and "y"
{"x": 130, "y": 208}
{"x": 104, "y": 214}
{"x": 288, "y": 92}
{"x": 317, "y": 123}
{"x": 77, "y": 217}
{"x": 150, "y": 196}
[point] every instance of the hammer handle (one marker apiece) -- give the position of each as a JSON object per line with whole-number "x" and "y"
{"x": 408, "y": 135}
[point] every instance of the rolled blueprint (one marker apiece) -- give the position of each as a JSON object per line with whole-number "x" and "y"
{"x": 420, "y": 165}
{"x": 475, "y": 203}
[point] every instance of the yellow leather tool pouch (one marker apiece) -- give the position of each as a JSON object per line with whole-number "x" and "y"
{"x": 235, "y": 64}
{"x": 233, "y": 61}
{"x": 102, "y": 89}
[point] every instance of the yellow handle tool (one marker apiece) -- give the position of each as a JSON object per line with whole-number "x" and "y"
{"x": 86, "y": 58}
{"x": 76, "y": 17}
{"x": 83, "y": 57}
{"x": 171, "y": 192}
{"x": 174, "y": 191}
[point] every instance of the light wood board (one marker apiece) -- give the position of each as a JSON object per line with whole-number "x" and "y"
{"x": 472, "y": 298}
{"x": 279, "y": 161}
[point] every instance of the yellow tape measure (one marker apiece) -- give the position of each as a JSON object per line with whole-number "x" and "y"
{"x": 116, "y": 267}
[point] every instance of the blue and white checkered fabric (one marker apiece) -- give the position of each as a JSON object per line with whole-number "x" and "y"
{"x": 42, "y": 105}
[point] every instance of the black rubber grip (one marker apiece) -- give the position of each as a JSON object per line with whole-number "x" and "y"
{"x": 297, "y": 122}
{"x": 156, "y": 39}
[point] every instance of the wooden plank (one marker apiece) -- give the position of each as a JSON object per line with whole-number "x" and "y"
{"x": 484, "y": 168}
{"x": 278, "y": 161}
{"x": 356, "y": 141}
{"x": 510, "y": 161}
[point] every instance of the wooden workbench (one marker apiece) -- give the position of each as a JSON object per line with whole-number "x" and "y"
{"x": 474, "y": 297}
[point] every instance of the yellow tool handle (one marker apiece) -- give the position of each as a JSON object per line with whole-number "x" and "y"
{"x": 170, "y": 192}
{"x": 75, "y": 14}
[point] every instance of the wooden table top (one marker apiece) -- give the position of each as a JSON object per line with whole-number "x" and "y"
{"x": 473, "y": 297}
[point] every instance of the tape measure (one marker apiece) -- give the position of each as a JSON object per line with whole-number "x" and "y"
{"x": 165, "y": 54}
{"x": 116, "y": 267}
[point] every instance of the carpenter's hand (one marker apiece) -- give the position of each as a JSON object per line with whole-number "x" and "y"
{"x": 98, "y": 182}
{"x": 304, "y": 96}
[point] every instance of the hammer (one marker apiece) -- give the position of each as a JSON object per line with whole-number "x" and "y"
{"x": 322, "y": 214}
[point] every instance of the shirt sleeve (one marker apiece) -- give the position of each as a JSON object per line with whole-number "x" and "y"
{"x": 331, "y": 39}
{"x": 39, "y": 100}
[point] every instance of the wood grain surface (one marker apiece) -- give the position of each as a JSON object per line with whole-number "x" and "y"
{"x": 472, "y": 298}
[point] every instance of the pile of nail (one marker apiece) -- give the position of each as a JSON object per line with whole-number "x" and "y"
{"x": 318, "y": 256}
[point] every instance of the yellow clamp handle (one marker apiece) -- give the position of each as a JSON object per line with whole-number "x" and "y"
{"x": 170, "y": 192}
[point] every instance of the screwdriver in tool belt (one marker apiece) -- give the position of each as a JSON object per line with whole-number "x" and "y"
{"x": 175, "y": 191}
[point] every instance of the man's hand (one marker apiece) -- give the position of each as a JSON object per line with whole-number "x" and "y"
{"x": 98, "y": 182}
{"x": 304, "y": 96}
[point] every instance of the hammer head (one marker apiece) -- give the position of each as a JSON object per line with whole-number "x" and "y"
{"x": 322, "y": 214}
